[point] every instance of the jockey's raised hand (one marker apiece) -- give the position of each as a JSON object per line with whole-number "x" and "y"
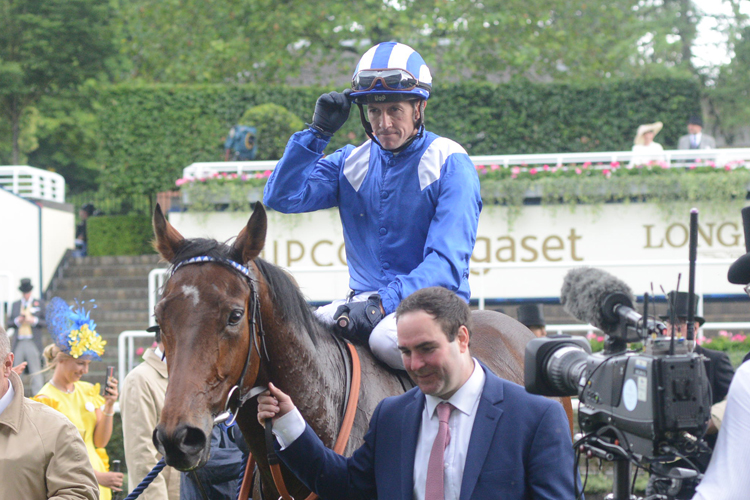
{"x": 274, "y": 404}
{"x": 331, "y": 111}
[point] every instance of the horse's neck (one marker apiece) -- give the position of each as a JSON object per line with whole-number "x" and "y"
{"x": 313, "y": 374}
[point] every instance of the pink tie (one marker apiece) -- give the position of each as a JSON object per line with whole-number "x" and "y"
{"x": 435, "y": 470}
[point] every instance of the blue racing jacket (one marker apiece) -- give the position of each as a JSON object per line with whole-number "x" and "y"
{"x": 410, "y": 219}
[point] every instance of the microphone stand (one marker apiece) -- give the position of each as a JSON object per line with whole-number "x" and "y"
{"x": 690, "y": 337}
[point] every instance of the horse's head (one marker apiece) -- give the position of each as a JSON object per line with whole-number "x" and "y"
{"x": 205, "y": 317}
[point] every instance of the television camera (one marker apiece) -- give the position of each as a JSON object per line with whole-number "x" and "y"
{"x": 649, "y": 407}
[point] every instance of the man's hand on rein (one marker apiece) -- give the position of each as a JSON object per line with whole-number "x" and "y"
{"x": 274, "y": 404}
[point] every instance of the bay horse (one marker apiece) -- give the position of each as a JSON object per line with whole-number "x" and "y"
{"x": 228, "y": 317}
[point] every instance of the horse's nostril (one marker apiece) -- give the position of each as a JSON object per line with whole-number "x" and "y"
{"x": 194, "y": 438}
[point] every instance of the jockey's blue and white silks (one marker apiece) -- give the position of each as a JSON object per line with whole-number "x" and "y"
{"x": 410, "y": 219}
{"x": 392, "y": 55}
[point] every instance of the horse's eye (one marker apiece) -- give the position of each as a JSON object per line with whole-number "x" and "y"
{"x": 235, "y": 317}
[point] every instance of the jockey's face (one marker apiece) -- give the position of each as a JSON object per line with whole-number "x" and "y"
{"x": 439, "y": 367}
{"x": 393, "y": 123}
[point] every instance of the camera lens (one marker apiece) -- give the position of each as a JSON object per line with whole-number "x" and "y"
{"x": 564, "y": 368}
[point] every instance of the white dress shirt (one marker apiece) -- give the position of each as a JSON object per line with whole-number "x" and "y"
{"x": 726, "y": 477}
{"x": 7, "y": 397}
{"x": 460, "y": 424}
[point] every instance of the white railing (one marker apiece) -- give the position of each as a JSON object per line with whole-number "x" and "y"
{"x": 126, "y": 351}
{"x": 678, "y": 158}
{"x": 34, "y": 183}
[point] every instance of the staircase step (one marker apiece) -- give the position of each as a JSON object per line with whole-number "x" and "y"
{"x": 102, "y": 282}
{"x": 103, "y": 294}
{"x": 89, "y": 271}
{"x": 115, "y": 260}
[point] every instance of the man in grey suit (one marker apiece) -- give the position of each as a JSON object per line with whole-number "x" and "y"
{"x": 27, "y": 320}
{"x": 695, "y": 138}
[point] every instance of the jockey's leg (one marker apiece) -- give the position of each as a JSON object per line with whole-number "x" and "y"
{"x": 384, "y": 343}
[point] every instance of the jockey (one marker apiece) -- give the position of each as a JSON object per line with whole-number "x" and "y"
{"x": 408, "y": 199}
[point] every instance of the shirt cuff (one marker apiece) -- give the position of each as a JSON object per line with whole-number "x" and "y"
{"x": 289, "y": 427}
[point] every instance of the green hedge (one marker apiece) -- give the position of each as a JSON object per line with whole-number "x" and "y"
{"x": 119, "y": 235}
{"x": 151, "y": 132}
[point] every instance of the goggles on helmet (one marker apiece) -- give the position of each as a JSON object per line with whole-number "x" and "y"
{"x": 390, "y": 79}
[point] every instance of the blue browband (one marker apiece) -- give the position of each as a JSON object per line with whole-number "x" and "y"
{"x": 205, "y": 258}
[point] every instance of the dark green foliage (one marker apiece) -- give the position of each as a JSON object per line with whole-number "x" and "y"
{"x": 119, "y": 235}
{"x": 154, "y": 131}
{"x": 275, "y": 124}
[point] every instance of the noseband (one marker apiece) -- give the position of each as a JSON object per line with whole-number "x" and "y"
{"x": 257, "y": 335}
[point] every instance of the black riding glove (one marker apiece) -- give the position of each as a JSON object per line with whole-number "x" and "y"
{"x": 355, "y": 320}
{"x": 331, "y": 111}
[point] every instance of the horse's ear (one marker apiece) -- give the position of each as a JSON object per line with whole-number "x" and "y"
{"x": 252, "y": 238}
{"x": 167, "y": 238}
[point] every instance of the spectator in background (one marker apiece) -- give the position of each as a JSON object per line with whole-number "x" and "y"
{"x": 27, "y": 321}
{"x": 84, "y": 213}
{"x": 76, "y": 344}
{"x": 43, "y": 456}
{"x": 695, "y": 138}
{"x": 532, "y": 317}
{"x": 644, "y": 148}
{"x": 142, "y": 400}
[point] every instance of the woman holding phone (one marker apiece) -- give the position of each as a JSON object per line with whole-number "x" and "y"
{"x": 76, "y": 344}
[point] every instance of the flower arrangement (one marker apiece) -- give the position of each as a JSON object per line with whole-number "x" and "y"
{"x": 723, "y": 341}
{"x": 671, "y": 188}
{"x": 235, "y": 191}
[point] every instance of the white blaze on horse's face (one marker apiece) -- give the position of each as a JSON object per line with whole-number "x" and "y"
{"x": 192, "y": 292}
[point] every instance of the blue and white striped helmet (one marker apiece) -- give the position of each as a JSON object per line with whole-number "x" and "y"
{"x": 394, "y": 63}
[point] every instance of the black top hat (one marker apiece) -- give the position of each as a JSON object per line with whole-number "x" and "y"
{"x": 680, "y": 302}
{"x": 739, "y": 271}
{"x": 26, "y": 285}
{"x": 695, "y": 120}
{"x": 531, "y": 315}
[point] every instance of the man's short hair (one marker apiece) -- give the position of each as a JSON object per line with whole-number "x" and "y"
{"x": 447, "y": 308}
{"x": 4, "y": 344}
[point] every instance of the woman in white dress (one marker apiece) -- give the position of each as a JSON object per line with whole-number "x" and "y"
{"x": 645, "y": 150}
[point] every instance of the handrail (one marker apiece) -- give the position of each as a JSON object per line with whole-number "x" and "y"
{"x": 682, "y": 158}
{"x": 35, "y": 183}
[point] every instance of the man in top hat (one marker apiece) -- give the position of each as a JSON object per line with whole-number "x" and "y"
{"x": 532, "y": 317}
{"x": 27, "y": 321}
{"x": 695, "y": 138}
{"x": 718, "y": 367}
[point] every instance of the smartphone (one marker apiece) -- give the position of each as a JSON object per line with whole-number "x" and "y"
{"x": 110, "y": 374}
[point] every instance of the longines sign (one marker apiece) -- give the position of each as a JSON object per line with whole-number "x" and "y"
{"x": 525, "y": 260}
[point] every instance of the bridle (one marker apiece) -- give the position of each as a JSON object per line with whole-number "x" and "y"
{"x": 252, "y": 367}
{"x": 257, "y": 335}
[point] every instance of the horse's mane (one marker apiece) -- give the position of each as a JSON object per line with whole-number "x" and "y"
{"x": 285, "y": 293}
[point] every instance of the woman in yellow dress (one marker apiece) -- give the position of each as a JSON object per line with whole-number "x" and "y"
{"x": 76, "y": 344}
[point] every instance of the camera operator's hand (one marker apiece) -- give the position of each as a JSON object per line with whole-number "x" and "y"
{"x": 331, "y": 111}
{"x": 356, "y": 320}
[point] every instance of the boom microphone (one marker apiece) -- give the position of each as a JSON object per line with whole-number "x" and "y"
{"x": 598, "y": 298}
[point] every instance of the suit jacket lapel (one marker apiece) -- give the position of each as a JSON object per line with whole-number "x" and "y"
{"x": 410, "y": 432}
{"x": 485, "y": 425}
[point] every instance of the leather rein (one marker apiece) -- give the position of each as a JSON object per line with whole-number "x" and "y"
{"x": 252, "y": 367}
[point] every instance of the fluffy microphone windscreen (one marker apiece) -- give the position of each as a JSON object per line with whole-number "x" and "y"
{"x": 584, "y": 291}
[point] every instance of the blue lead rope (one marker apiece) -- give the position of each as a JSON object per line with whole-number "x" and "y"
{"x": 147, "y": 480}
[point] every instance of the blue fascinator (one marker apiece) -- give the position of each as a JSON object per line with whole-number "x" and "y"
{"x": 73, "y": 330}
